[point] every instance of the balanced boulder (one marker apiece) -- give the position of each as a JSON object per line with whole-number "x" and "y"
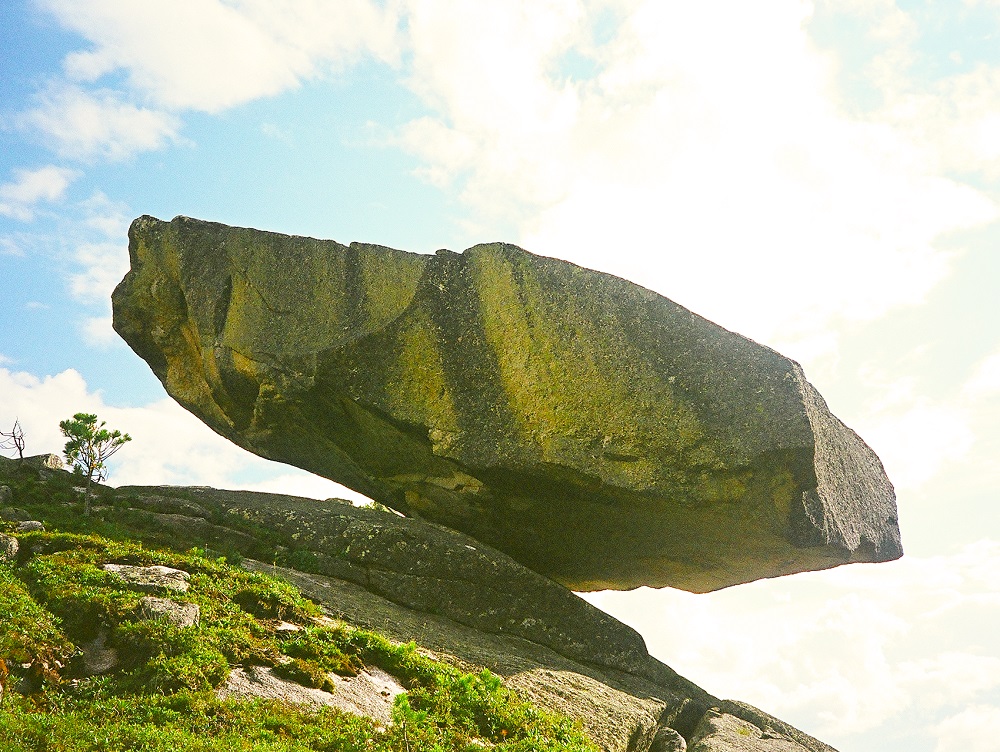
{"x": 590, "y": 428}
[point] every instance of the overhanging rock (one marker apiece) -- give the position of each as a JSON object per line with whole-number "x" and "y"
{"x": 597, "y": 432}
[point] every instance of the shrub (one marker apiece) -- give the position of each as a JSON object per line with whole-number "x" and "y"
{"x": 89, "y": 448}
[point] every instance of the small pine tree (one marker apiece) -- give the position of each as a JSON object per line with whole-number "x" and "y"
{"x": 89, "y": 447}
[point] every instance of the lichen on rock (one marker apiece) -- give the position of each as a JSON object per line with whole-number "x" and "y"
{"x": 597, "y": 432}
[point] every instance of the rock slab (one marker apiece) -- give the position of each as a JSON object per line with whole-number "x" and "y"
{"x": 8, "y": 547}
{"x": 597, "y": 432}
{"x": 152, "y": 608}
{"x": 154, "y": 579}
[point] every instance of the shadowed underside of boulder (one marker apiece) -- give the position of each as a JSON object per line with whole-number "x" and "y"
{"x": 597, "y": 432}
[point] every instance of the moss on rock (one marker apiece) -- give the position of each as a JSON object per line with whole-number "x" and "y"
{"x": 594, "y": 430}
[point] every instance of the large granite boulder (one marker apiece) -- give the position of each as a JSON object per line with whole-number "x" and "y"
{"x": 595, "y": 431}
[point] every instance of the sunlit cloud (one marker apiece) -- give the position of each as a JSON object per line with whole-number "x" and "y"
{"x": 89, "y": 125}
{"x": 971, "y": 730}
{"x": 98, "y": 332}
{"x": 169, "y": 446}
{"x": 19, "y": 197}
{"x": 232, "y": 52}
{"x": 104, "y": 265}
{"x": 986, "y": 379}
{"x": 710, "y": 162}
{"x": 9, "y": 248}
{"x": 840, "y": 651}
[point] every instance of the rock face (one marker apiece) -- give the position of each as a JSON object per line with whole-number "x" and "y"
{"x": 420, "y": 565}
{"x": 597, "y": 432}
{"x": 8, "y": 547}
{"x": 463, "y": 601}
{"x": 152, "y": 608}
{"x": 155, "y": 579}
{"x": 370, "y": 693}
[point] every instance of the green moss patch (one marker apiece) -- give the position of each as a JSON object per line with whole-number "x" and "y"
{"x": 161, "y": 695}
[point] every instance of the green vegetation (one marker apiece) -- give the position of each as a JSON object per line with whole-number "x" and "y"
{"x": 162, "y": 694}
{"x": 89, "y": 447}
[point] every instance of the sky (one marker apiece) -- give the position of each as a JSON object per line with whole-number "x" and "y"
{"x": 823, "y": 177}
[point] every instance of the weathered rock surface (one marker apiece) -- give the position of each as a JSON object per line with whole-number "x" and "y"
{"x": 424, "y": 566}
{"x": 8, "y": 547}
{"x": 152, "y": 608}
{"x": 98, "y": 656}
{"x": 413, "y": 580}
{"x": 721, "y": 732}
{"x": 370, "y": 693}
{"x": 595, "y": 431}
{"x": 154, "y": 579}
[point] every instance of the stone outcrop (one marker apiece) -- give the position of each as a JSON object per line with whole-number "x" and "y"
{"x": 98, "y": 656}
{"x": 421, "y": 565}
{"x": 152, "y": 608}
{"x": 597, "y": 432}
{"x": 722, "y": 732}
{"x": 463, "y": 601}
{"x": 154, "y": 579}
{"x": 370, "y": 693}
{"x": 8, "y": 547}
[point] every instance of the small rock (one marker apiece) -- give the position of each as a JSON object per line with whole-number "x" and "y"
{"x": 46, "y": 461}
{"x": 668, "y": 740}
{"x": 164, "y": 609}
{"x": 6, "y": 495}
{"x": 8, "y": 547}
{"x": 30, "y": 526}
{"x": 151, "y": 579}
{"x": 98, "y": 658}
{"x": 371, "y": 693}
{"x": 14, "y": 514}
{"x": 721, "y": 732}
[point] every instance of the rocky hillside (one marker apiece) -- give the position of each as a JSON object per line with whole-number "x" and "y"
{"x": 172, "y": 609}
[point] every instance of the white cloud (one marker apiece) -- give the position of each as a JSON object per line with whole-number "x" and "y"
{"x": 950, "y": 679}
{"x": 104, "y": 265}
{"x": 89, "y": 125}
{"x": 107, "y": 217}
{"x": 838, "y": 652}
{"x": 169, "y": 445}
{"x": 9, "y": 248}
{"x": 986, "y": 379}
{"x": 920, "y": 438}
{"x": 98, "y": 332}
{"x": 917, "y": 442}
{"x": 957, "y": 120}
{"x": 708, "y": 161}
{"x": 29, "y": 187}
{"x": 210, "y": 55}
{"x": 972, "y": 730}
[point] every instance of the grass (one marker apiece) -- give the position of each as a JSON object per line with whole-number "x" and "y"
{"x": 162, "y": 695}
